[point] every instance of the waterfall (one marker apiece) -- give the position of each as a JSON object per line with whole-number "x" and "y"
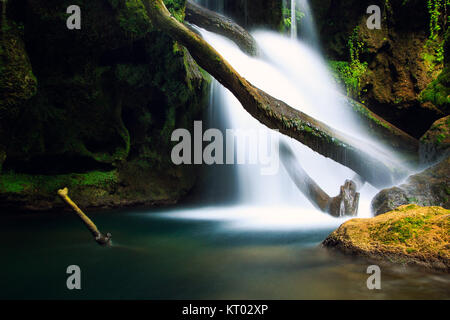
{"x": 294, "y": 72}
{"x": 302, "y": 22}
{"x": 293, "y": 20}
{"x": 214, "y": 5}
{"x": 307, "y": 26}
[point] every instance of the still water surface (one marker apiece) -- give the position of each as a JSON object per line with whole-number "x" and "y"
{"x": 192, "y": 254}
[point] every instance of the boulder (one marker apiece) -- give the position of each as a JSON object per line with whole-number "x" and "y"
{"x": 409, "y": 235}
{"x": 435, "y": 143}
{"x": 428, "y": 188}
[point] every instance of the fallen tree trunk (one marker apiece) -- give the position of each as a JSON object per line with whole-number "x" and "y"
{"x": 399, "y": 140}
{"x": 222, "y": 25}
{"x": 276, "y": 114}
{"x": 344, "y": 204}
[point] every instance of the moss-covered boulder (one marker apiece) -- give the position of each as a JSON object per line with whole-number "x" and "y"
{"x": 108, "y": 98}
{"x": 435, "y": 143}
{"x": 410, "y": 235}
{"x": 437, "y": 92}
{"x": 428, "y": 188}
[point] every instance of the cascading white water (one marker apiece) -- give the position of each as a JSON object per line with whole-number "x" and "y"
{"x": 294, "y": 72}
{"x": 310, "y": 89}
{"x": 293, "y": 20}
{"x": 302, "y": 21}
{"x": 307, "y": 27}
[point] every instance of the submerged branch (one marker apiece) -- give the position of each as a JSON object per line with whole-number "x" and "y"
{"x": 103, "y": 240}
{"x": 344, "y": 204}
{"x": 276, "y": 114}
{"x": 222, "y": 25}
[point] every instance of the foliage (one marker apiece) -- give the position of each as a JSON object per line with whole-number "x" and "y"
{"x": 434, "y": 55}
{"x": 287, "y": 17}
{"x": 349, "y": 73}
{"x": 438, "y": 91}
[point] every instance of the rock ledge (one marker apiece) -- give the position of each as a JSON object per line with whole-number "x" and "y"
{"x": 409, "y": 235}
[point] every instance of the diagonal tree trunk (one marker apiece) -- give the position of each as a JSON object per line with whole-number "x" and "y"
{"x": 222, "y": 25}
{"x": 386, "y": 132}
{"x": 276, "y": 114}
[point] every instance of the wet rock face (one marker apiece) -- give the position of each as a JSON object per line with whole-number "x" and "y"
{"x": 435, "y": 143}
{"x": 399, "y": 63}
{"x": 388, "y": 200}
{"x": 428, "y": 188}
{"x": 17, "y": 81}
{"x": 108, "y": 99}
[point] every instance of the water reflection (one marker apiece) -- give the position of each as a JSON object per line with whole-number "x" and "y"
{"x": 156, "y": 256}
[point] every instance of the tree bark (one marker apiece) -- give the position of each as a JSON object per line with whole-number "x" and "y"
{"x": 344, "y": 204}
{"x": 276, "y": 114}
{"x": 103, "y": 240}
{"x": 404, "y": 144}
{"x": 222, "y": 25}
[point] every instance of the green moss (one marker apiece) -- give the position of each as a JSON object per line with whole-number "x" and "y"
{"x": 176, "y": 8}
{"x": 402, "y": 230}
{"x": 287, "y": 17}
{"x": 411, "y": 250}
{"x": 132, "y": 16}
{"x": 133, "y": 74}
{"x": 367, "y": 115}
{"x": 413, "y": 200}
{"x": 349, "y": 73}
{"x": 47, "y": 185}
{"x": 96, "y": 178}
{"x": 438, "y": 91}
{"x": 439, "y": 138}
{"x": 434, "y": 47}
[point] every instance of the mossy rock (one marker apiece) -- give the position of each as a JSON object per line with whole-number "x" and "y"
{"x": 409, "y": 235}
{"x": 435, "y": 143}
{"x": 438, "y": 92}
{"x": 39, "y": 192}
